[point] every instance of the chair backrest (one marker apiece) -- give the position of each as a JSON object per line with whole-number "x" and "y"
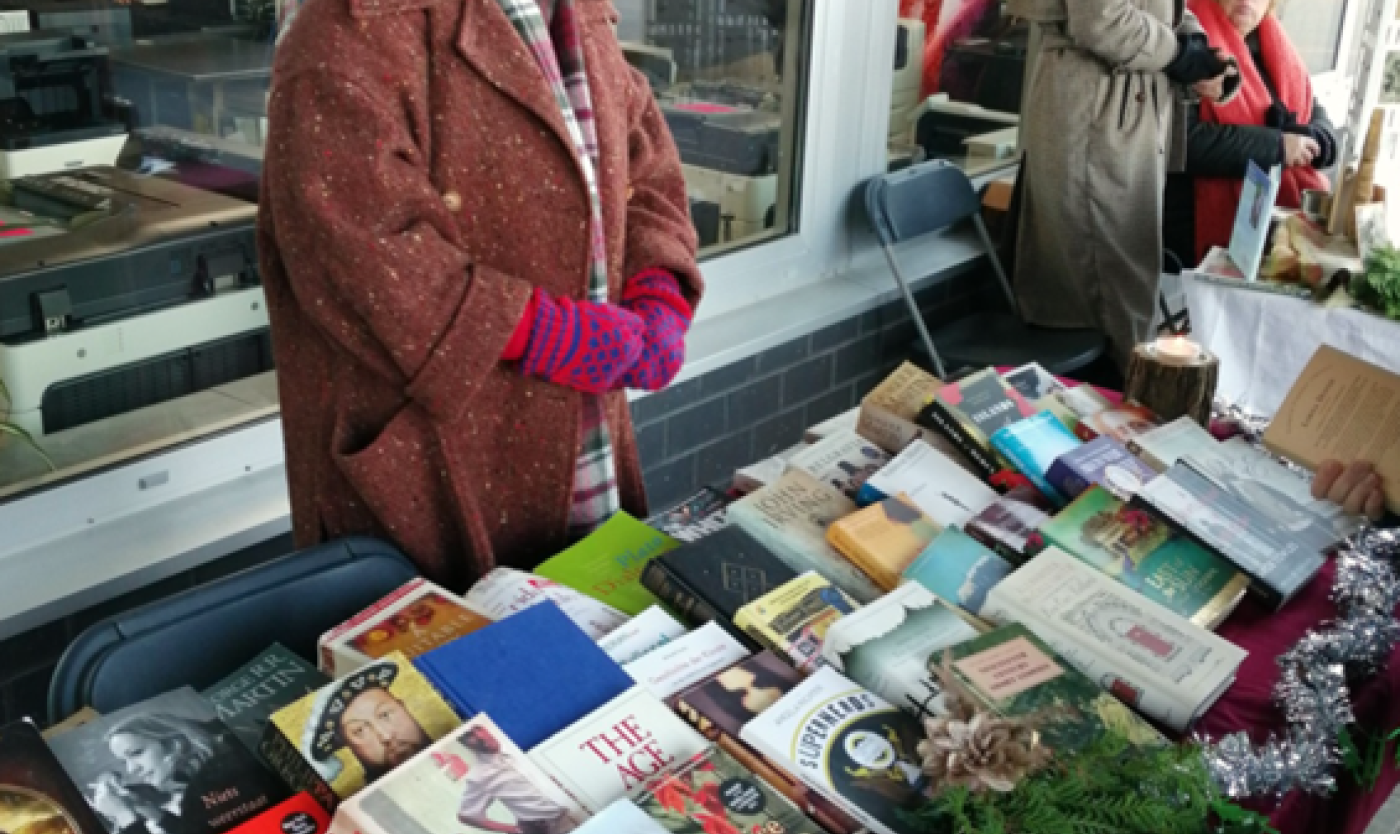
{"x": 918, "y": 200}
{"x": 198, "y": 637}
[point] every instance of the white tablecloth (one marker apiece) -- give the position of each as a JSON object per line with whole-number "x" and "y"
{"x": 1265, "y": 340}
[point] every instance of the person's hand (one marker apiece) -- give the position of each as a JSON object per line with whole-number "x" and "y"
{"x": 1357, "y": 487}
{"x": 1196, "y": 60}
{"x": 1214, "y": 89}
{"x": 584, "y": 345}
{"x": 112, "y": 802}
{"x": 655, "y": 295}
{"x": 1299, "y": 150}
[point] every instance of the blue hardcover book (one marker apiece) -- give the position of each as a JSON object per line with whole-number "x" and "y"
{"x": 534, "y": 673}
{"x": 1101, "y": 462}
{"x": 1033, "y": 445}
{"x": 958, "y": 569}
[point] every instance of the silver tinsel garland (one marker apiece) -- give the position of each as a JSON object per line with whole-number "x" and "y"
{"x": 1313, "y": 676}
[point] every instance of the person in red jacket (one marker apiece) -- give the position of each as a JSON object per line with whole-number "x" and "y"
{"x": 474, "y": 236}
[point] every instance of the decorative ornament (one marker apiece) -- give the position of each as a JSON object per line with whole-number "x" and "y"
{"x": 987, "y": 752}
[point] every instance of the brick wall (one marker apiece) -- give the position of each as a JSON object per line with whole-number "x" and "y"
{"x": 696, "y": 433}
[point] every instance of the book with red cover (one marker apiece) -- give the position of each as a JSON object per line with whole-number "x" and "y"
{"x": 301, "y": 814}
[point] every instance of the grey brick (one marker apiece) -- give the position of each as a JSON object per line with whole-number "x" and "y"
{"x": 755, "y": 402}
{"x": 779, "y": 433}
{"x": 783, "y": 356}
{"x": 866, "y": 383}
{"x": 829, "y": 405}
{"x": 717, "y": 462}
{"x": 671, "y": 483}
{"x": 695, "y": 426}
{"x": 651, "y": 408}
{"x": 651, "y": 444}
{"x": 836, "y": 335}
{"x": 895, "y": 342}
{"x": 36, "y": 647}
{"x": 810, "y": 379}
{"x": 729, "y": 377}
{"x": 859, "y": 358}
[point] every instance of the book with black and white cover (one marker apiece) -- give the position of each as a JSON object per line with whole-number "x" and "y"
{"x": 1156, "y": 661}
{"x": 685, "y": 661}
{"x": 844, "y": 460}
{"x": 1163, "y": 446}
{"x": 946, "y": 492}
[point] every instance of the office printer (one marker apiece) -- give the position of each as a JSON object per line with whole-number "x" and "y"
{"x": 118, "y": 292}
{"x": 730, "y": 158}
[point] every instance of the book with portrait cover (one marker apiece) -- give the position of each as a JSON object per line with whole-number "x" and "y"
{"x": 607, "y": 565}
{"x": 718, "y": 709}
{"x": 246, "y": 699}
{"x": 959, "y": 569}
{"x": 350, "y": 732}
{"x": 1103, "y": 462}
{"x": 415, "y": 618}
{"x": 883, "y": 539}
{"x": 617, "y": 750}
{"x": 792, "y": 620}
{"x": 36, "y": 794}
{"x": 850, "y": 745}
{"x": 712, "y": 792}
{"x": 1123, "y": 422}
{"x": 844, "y": 460}
{"x": 1137, "y": 549}
{"x": 473, "y": 780}
{"x": 1011, "y": 524}
{"x": 168, "y": 764}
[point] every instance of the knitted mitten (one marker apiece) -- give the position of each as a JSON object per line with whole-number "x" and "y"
{"x": 655, "y": 296}
{"x": 584, "y": 345}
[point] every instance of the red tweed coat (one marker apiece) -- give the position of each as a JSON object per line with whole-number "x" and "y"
{"x": 417, "y": 186}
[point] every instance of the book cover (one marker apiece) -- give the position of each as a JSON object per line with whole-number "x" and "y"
{"x": 1342, "y": 408}
{"x": 1014, "y": 673}
{"x": 712, "y": 792}
{"x": 947, "y": 493}
{"x": 719, "y": 708}
{"x": 849, "y": 744}
{"x": 72, "y": 722}
{"x": 889, "y": 414}
{"x": 710, "y": 580}
{"x": 616, "y": 751}
{"x": 944, "y": 421}
{"x": 1032, "y": 445}
{"x": 886, "y": 646}
{"x": 884, "y": 538}
{"x": 792, "y": 620}
{"x": 246, "y": 699}
{"x": 608, "y": 564}
{"x": 758, "y": 475}
{"x": 534, "y": 673}
{"x": 415, "y": 618}
{"x": 1252, "y": 218}
{"x": 621, "y": 817}
{"x": 959, "y": 569}
{"x": 1101, "y": 462}
{"x": 1123, "y": 422}
{"x": 790, "y": 517}
{"x": 1084, "y": 400}
{"x": 984, "y": 403}
{"x": 348, "y": 733}
{"x": 845, "y": 421}
{"x": 167, "y": 764}
{"x": 474, "y": 780}
{"x": 1163, "y": 446}
{"x": 1033, "y": 382}
{"x": 644, "y": 632}
{"x": 1139, "y": 550}
{"x": 36, "y": 795}
{"x": 301, "y": 814}
{"x": 695, "y": 518}
{"x": 506, "y": 591}
{"x": 1152, "y": 659}
{"x": 1011, "y": 525}
{"x": 845, "y": 460}
{"x": 685, "y": 661}
{"x": 1277, "y": 563}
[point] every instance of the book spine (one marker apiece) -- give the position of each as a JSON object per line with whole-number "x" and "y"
{"x": 1066, "y": 480}
{"x": 937, "y": 417}
{"x": 287, "y": 762}
{"x": 679, "y": 596}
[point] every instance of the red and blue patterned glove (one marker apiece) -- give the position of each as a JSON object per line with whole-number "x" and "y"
{"x": 582, "y": 345}
{"x": 655, "y": 296}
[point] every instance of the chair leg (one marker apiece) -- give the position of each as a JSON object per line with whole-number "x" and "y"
{"x": 914, "y": 312}
{"x": 996, "y": 262}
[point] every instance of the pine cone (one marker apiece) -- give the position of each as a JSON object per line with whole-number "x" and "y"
{"x": 987, "y": 752}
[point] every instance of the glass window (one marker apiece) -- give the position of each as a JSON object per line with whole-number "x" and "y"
{"x": 1316, "y": 30}
{"x": 959, "y": 70}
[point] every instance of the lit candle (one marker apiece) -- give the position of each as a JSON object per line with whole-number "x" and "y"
{"x": 1177, "y": 350}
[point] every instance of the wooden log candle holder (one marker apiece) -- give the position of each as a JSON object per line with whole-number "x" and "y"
{"x": 1173, "y": 376}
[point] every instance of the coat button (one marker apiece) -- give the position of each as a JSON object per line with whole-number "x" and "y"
{"x": 452, "y": 200}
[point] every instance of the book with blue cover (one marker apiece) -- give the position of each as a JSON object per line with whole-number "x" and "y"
{"x": 1256, "y": 209}
{"x": 959, "y": 569}
{"x": 1101, "y": 462}
{"x": 534, "y": 673}
{"x": 1033, "y": 445}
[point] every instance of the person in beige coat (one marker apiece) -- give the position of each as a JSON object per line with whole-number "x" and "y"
{"x": 1096, "y": 130}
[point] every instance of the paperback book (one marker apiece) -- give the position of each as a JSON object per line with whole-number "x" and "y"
{"x": 1011, "y": 524}
{"x": 1101, "y": 462}
{"x": 971, "y": 410}
{"x": 36, "y": 795}
{"x": 646, "y": 631}
{"x": 1123, "y": 422}
{"x": 689, "y": 659}
{"x": 506, "y": 591}
{"x": 1033, "y": 382}
{"x": 712, "y": 792}
{"x": 889, "y": 414}
{"x": 758, "y": 475}
{"x": 1032, "y": 446}
{"x": 792, "y": 620}
{"x": 1163, "y": 446}
{"x": 845, "y": 460}
{"x": 959, "y": 569}
{"x": 845, "y": 421}
{"x": 697, "y": 516}
{"x": 415, "y": 618}
{"x": 246, "y": 699}
{"x": 301, "y": 814}
{"x": 947, "y": 493}
{"x": 621, "y": 817}
{"x": 883, "y": 539}
{"x": 608, "y": 564}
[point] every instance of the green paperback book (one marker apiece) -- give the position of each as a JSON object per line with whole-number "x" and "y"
{"x": 608, "y": 564}
{"x": 246, "y": 699}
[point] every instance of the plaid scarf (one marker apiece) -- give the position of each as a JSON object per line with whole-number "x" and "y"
{"x": 558, "y": 49}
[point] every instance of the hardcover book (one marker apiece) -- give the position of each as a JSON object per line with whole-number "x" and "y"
{"x": 947, "y": 493}
{"x": 850, "y": 745}
{"x": 348, "y": 733}
{"x": 791, "y": 518}
{"x": 416, "y": 617}
{"x": 506, "y": 591}
{"x": 644, "y": 632}
{"x": 884, "y": 539}
{"x": 712, "y": 792}
{"x": 1101, "y": 462}
{"x": 792, "y": 620}
{"x": 889, "y": 414}
{"x": 1278, "y": 564}
{"x": 719, "y": 708}
{"x": 1123, "y": 422}
{"x": 697, "y": 517}
{"x": 959, "y": 569}
{"x": 621, "y": 817}
{"x": 1163, "y": 446}
{"x": 845, "y": 460}
{"x": 534, "y": 673}
{"x": 246, "y": 700}
{"x": 36, "y": 795}
{"x": 474, "y": 780}
{"x": 301, "y": 814}
{"x": 886, "y": 646}
{"x": 713, "y": 578}
{"x": 667, "y": 670}
{"x": 1032, "y": 445}
{"x": 608, "y": 564}
{"x": 1155, "y": 661}
{"x": 971, "y": 410}
{"x": 616, "y": 751}
{"x": 1011, "y": 525}
{"x": 1140, "y": 551}
{"x": 167, "y": 763}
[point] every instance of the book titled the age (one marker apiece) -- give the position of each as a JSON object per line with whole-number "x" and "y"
{"x": 246, "y": 699}
{"x": 36, "y": 795}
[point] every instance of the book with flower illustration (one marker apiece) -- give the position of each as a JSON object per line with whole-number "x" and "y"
{"x": 414, "y": 619}
{"x": 884, "y": 538}
{"x": 713, "y": 794}
{"x": 970, "y": 411}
